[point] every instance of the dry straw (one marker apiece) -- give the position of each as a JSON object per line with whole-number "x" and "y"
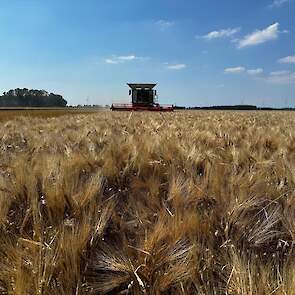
{"x": 182, "y": 203}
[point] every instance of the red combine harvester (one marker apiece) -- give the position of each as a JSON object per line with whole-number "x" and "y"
{"x": 143, "y": 99}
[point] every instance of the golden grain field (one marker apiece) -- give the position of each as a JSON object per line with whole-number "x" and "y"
{"x": 10, "y": 113}
{"x": 148, "y": 203}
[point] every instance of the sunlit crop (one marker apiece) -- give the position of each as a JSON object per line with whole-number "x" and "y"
{"x": 148, "y": 203}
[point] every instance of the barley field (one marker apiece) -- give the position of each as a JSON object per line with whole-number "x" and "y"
{"x": 148, "y": 203}
{"x": 10, "y": 113}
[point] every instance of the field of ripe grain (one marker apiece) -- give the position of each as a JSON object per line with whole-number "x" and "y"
{"x": 10, "y": 113}
{"x": 121, "y": 203}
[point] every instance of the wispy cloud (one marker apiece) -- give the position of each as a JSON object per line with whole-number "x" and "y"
{"x": 127, "y": 57}
{"x": 122, "y": 59}
{"x": 255, "y": 72}
{"x": 164, "y": 24}
{"x": 236, "y": 70}
{"x": 279, "y": 73}
{"x": 277, "y": 3}
{"x": 240, "y": 69}
{"x": 260, "y": 36}
{"x": 177, "y": 67}
{"x": 276, "y": 77}
{"x": 224, "y": 33}
{"x": 111, "y": 61}
{"x": 281, "y": 77}
{"x": 287, "y": 60}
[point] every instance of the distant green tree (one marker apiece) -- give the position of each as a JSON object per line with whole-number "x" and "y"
{"x": 31, "y": 98}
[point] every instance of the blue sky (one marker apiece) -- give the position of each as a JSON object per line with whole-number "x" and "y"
{"x": 200, "y": 52}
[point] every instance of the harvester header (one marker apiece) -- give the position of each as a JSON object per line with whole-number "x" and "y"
{"x": 144, "y": 98}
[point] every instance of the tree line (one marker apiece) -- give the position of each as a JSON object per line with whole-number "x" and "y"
{"x": 31, "y": 98}
{"x": 238, "y": 108}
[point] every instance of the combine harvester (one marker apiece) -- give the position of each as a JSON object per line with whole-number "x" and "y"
{"x": 144, "y": 98}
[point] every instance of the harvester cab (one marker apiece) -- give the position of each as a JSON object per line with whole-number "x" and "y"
{"x": 143, "y": 94}
{"x": 144, "y": 98}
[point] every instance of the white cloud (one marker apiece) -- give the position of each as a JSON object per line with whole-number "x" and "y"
{"x": 225, "y": 33}
{"x": 279, "y": 73}
{"x": 220, "y": 86}
{"x": 287, "y": 60}
{"x": 236, "y": 70}
{"x": 260, "y": 36}
{"x": 254, "y": 72}
{"x": 122, "y": 59}
{"x": 127, "y": 57}
{"x": 239, "y": 70}
{"x": 278, "y": 3}
{"x": 164, "y": 24}
{"x": 281, "y": 77}
{"x": 177, "y": 67}
{"x": 110, "y": 61}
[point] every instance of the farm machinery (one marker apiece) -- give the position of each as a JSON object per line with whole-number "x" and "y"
{"x": 144, "y": 98}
